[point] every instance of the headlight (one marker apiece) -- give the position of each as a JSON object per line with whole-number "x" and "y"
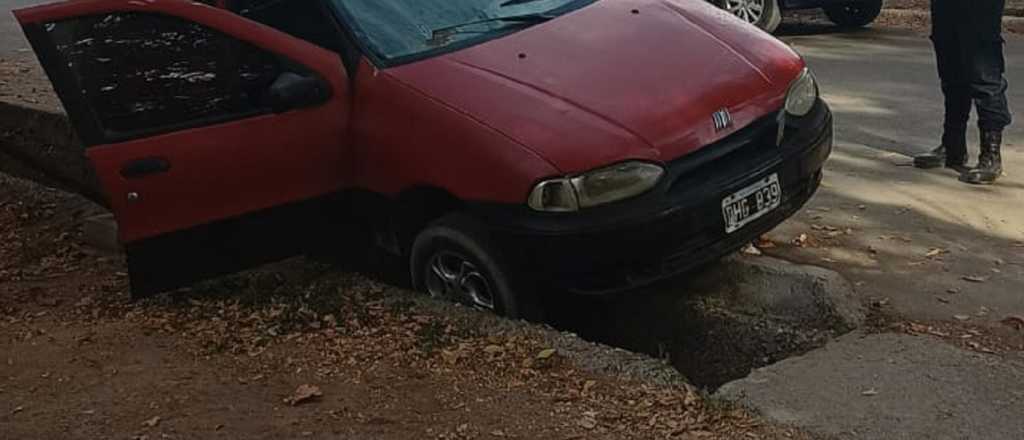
{"x": 598, "y": 187}
{"x": 803, "y": 93}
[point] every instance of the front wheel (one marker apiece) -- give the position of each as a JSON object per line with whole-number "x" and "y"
{"x": 764, "y": 14}
{"x": 856, "y": 14}
{"x": 453, "y": 259}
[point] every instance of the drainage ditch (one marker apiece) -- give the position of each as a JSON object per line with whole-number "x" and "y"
{"x": 714, "y": 327}
{"x": 729, "y": 319}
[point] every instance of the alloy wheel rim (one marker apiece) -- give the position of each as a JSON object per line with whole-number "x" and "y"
{"x": 750, "y": 11}
{"x": 453, "y": 277}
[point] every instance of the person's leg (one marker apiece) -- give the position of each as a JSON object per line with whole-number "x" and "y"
{"x": 988, "y": 87}
{"x": 953, "y": 73}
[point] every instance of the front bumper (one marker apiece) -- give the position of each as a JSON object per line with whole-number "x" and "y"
{"x": 676, "y": 227}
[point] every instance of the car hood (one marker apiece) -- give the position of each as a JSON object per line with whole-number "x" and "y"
{"x": 616, "y": 80}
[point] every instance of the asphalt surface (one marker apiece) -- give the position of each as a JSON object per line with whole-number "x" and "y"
{"x": 884, "y": 91}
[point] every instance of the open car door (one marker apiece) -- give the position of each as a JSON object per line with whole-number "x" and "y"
{"x": 216, "y": 139}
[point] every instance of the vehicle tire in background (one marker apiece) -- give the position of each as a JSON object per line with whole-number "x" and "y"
{"x": 454, "y": 259}
{"x": 765, "y": 14}
{"x": 857, "y": 14}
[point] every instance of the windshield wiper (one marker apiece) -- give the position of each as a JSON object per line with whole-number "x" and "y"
{"x": 532, "y": 18}
{"x": 516, "y": 2}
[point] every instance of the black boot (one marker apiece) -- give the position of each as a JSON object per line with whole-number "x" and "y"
{"x": 951, "y": 154}
{"x": 990, "y": 163}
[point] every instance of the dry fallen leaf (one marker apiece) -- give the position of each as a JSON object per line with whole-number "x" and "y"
{"x": 914, "y": 327}
{"x": 18, "y": 409}
{"x": 975, "y": 279}
{"x": 152, "y": 422}
{"x": 869, "y": 392}
{"x": 801, "y": 240}
{"x": 935, "y": 252}
{"x": 304, "y": 393}
{"x": 450, "y": 357}
{"x": 978, "y": 347}
{"x": 588, "y": 423}
{"x": 962, "y": 317}
{"x": 546, "y": 354}
{"x": 1014, "y": 321}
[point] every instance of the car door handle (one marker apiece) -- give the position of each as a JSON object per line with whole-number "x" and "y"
{"x": 144, "y": 167}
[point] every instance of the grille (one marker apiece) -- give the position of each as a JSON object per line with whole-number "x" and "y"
{"x": 731, "y": 158}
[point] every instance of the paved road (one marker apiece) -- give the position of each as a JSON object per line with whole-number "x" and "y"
{"x": 885, "y": 94}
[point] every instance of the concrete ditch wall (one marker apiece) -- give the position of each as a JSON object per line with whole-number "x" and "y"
{"x": 40, "y": 145}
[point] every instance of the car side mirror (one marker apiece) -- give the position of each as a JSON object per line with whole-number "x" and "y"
{"x": 291, "y": 91}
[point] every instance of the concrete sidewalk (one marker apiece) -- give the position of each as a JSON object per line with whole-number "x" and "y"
{"x": 891, "y": 387}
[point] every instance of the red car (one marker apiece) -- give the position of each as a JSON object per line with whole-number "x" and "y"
{"x": 499, "y": 145}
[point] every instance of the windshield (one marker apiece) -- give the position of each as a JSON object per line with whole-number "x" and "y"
{"x": 399, "y": 31}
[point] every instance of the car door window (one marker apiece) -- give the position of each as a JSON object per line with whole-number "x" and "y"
{"x": 143, "y": 73}
{"x": 310, "y": 20}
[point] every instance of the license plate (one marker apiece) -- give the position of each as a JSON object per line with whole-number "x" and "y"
{"x": 751, "y": 203}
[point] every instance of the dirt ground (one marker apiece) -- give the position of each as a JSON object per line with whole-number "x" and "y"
{"x": 23, "y": 82}
{"x": 79, "y": 361}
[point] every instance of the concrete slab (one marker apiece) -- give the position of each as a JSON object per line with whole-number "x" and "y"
{"x": 888, "y": 386}
{"x": 100, "y": 232}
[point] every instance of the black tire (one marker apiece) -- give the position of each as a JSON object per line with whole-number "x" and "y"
{"x": 460, "y": 237}
{"x": 857, "y": 14}
{"x": 769, "y": 18}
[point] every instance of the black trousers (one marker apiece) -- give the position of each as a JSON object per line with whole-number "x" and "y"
{"x": 969, "y": 52}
